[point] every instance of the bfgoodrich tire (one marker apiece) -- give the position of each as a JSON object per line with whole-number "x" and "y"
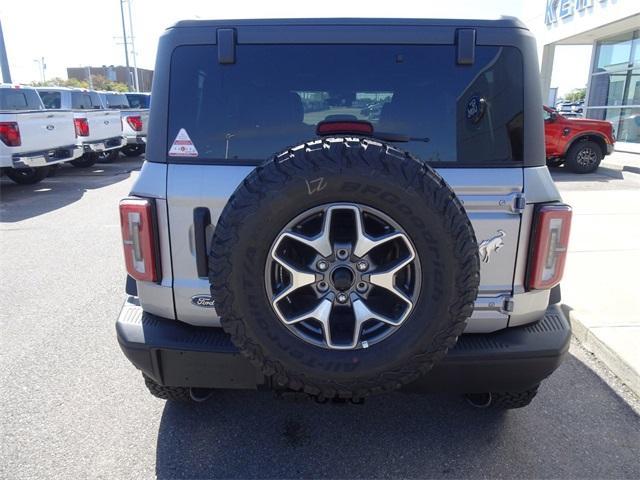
{"x": 175, "y": 394}
{"x": 363, "y": 174}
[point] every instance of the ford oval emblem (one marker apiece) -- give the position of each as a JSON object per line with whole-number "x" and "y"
{"x": 50, "y": 127}
{"x": 106, "y": 122}
{"x": 204, "y": 301}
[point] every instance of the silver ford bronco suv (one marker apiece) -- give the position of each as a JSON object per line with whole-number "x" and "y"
{"x": 343, "y": 208}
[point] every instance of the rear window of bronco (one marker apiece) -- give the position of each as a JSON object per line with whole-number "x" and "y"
{"x": 273, "y": 97}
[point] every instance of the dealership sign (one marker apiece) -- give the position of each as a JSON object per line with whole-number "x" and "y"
{"x": 565, "y": 8}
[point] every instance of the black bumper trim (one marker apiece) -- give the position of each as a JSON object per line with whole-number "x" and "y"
{"x": 177, "y": 354}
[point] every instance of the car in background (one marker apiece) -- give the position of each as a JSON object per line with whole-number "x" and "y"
{"x": 372, "y": 111}
{"x": 98, "y": 130}
{"x": 579, "y": 143}
{"x": 134, "y": 119}
{"x": 33, "y": 139}
{"x": 571, "y": 109}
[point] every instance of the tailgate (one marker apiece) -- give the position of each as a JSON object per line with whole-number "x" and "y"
{"x": 103, "y": 124}
{"x": 491, "y": 198}
{"x": 45, "y": 130}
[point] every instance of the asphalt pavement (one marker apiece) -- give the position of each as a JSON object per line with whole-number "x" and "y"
{"x": 71, "y": 406}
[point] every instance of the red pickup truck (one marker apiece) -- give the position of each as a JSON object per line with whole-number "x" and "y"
{"x": 579, "y": 143}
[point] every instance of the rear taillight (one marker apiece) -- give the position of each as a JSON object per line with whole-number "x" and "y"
{"x": 10, "y": 134}
{"x": 135, "y": 122}
{"x": 82, "y": 127}
{"x": 550, "y": 236}
{"x": 137, "y": 221}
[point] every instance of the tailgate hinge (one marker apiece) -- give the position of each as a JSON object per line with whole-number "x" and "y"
{"x": 507, "y": 304}
{"x": 519, "y": 203}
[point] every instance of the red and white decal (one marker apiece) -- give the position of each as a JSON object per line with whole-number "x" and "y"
{"x": 182, "y": 146}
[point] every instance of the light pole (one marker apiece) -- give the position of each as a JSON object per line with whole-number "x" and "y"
{"x": 133, "y": 49}
{"x": 89, "y": 77}
{"x": 126, "y": 48}
{"x": 42, "y": 67}
{"x": 4, "y": 60}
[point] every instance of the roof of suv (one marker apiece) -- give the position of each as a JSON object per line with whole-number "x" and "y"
{"x": 502, "y": 22}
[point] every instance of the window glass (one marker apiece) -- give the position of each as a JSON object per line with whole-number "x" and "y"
{"x": 51, "y": 100}
{"x": 633, "y": 88}
{"x": 628, "y": 125}
{"x": 613, "y": 53}
{"x": 137, "y": 100}
{"x": 85, "y": 101}
{"x": 117, "y": 101}
{"x": 275, "y": 95}
{"x": 635, "y": 55}
{"x": 19, "y": 99}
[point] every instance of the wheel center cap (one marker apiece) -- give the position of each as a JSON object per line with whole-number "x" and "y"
{"x": 342, "y": 278}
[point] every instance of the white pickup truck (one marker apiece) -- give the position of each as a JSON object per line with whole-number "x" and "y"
{"x": 98, "y": 129}
{"x": 135, "y": 119}
{"x": 32, "y": 138}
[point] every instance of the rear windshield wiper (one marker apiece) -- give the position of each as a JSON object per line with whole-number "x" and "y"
{"x": 364, "y": 128}
{"x": 398, "y": 137}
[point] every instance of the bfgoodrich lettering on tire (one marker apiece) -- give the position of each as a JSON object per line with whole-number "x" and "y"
{"x": 344, "y": 267}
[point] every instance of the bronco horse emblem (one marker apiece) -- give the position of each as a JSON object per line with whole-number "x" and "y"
{"x": 490, "y": 245}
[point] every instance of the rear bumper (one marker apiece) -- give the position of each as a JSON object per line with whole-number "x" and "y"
{"x": 609, "y": 148}
{"x": 177, "y": 354}
{"x": 136, "y": 139}
{"x": 103, "y": 145}
{"x": 46, "y": 157}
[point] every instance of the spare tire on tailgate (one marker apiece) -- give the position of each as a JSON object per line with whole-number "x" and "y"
{"x": 344, "y": 267}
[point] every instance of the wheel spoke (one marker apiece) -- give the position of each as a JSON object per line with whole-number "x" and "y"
{"x": 364, "y": 243}
{"x": 320, "y": 313}
{"x": 299, "y": 278}
{"x": 386, "y": 279}
{"x": 363, "y": 313}
{"x": 320, "y": 243}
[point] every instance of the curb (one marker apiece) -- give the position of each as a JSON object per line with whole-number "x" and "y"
{"x": 600, "y": 349}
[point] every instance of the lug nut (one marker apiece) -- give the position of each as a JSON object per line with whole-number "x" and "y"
{"x": 361, "y": 287}
{"x": 322, "y": 286}
{"x": 362, "y": 265}
{"x": 322, "y": 265}
{"x": 342, "y": 298}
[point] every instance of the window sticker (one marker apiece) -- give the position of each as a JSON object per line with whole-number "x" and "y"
{"x": 182, "y": 146}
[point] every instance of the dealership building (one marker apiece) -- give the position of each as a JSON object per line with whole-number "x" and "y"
{"x": 612, "y": 27}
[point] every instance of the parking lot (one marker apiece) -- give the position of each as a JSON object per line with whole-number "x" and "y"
{"x": 73, "y": 407}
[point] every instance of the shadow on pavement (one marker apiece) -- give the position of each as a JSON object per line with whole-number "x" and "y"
{"x": 66, "y": 185}
{"x": 602, "y": 174}
{"x": 576, "y": 427}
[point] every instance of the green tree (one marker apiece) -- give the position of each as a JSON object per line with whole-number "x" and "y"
{"x": 576, "y": 95}
{"x": 100, "y": 82}
{"x": 60, "y": 82}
